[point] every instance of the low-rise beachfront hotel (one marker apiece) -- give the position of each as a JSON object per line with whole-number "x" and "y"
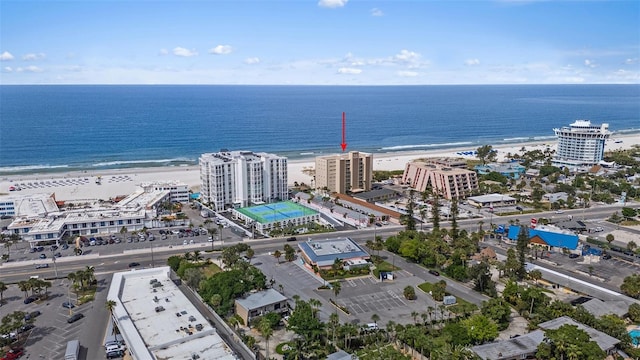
{"x": 37, "y": 217}
{"x": 341, "y": 173}
{"x": 178, "y": 191}
{"x": 323, "y": 253}
{"x": 449, "y": 182}
{"x": 581, "y": 144}
{"x": 240, "y": 178}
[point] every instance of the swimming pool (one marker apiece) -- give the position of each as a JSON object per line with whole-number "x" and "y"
{"x": 635, "y": 336}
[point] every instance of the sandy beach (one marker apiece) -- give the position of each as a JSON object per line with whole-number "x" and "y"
{"x": 82, "y": 185}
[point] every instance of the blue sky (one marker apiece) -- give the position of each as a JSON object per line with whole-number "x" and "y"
{"x": 326, "y": 42}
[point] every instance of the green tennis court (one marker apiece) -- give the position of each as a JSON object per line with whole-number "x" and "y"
{"x": 281, "y": 211}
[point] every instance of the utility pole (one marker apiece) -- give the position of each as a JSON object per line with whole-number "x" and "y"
{"x": 152, "y": 260}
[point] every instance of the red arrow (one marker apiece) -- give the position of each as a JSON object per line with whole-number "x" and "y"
{"x": 344, "y": 123}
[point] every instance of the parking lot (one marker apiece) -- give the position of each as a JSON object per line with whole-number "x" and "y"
{"x": 49, "y": 337}
{"x": 362, "y": 296}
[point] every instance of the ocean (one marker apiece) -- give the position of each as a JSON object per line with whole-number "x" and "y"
{"x": 64, "y": 128}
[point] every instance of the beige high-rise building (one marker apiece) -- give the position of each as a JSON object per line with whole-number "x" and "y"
{"x": 340, "y": 173}
{"x": 449, "y": 182}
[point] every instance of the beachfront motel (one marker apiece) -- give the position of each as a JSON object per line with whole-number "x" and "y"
{"x": 39, "y": 219}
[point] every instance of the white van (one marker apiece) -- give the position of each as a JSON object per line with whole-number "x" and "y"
{"x": 371, "y": 327}
{"x": 113, "y": 347}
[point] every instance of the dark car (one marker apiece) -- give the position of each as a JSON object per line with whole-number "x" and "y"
{"x": 43, "y": 256}
{"x": 573, "y": 256}
{"x": 606, "y": 257}
{"x": 293, "y": 238}
{"x": 75, "y": 317}
{"x": 434, "y": 273}
{"x": 31, "y": 315}
{"x": 134, "y": 264}
{"x": 115, "y": 354}
{"x": 26, "y": 328}
{"x": 68, "y": 305}
{"x": 30, "y": 299}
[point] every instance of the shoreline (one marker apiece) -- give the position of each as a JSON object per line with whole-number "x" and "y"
{"x": 80, "y": 185}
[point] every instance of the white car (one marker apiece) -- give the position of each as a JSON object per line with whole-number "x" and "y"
{"x": 559, "y": 211}
{"x": 210, "y": 239}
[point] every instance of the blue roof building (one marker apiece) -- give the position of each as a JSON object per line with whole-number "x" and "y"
{"x": 510, "y": 170}
{"x": 545, "y": 237}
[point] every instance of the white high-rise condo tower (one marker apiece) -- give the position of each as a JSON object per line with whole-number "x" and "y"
{"x": 580, "y": 144}
{"x": 241, "y": 178}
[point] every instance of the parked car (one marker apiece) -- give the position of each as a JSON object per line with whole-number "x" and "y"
{"x": 43, "y": 256}
{"x": 68, "y": 305}
{"x": 75, "y": 317}
{"x": 30, "y": 299}
{"x": 606, "y": 257}
{"x": 42, "y": 266}
{"x": 13, "y": 354}
{"x": 573, "y": 256}
{"x": 31, "y": 315}
{"x": 57, "y": 255}
{"x": 115, "y": 354}
{"x": 134, "y": 264}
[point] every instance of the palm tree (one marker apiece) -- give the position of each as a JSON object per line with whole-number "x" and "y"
{"x": 277, "y": 255}
{"x": 89, "y": 271}
{"x": 24, "y": 287}
{"x": 212, "y": 232}
{"x": 315, "y": 305}
{"x": 3, "y": 288}
{"x": 197, "y": 256}
{"x": 336, "y": 286}
{"x": 414, "y": 315}
{"x": 249, "y": 254}
{"x": 110, "y": 305}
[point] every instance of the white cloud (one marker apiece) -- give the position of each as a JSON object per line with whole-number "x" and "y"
{"x": 631, "y": 61}
{"x": 408, "y": 56}
{"x": 471, "y": 62}
{"x": 29, "y": 57}
{"x": 345, "y": 70}
{"x": 221, "y": 50}
{"x": 5, "y": 56}
{"x": 252, "y": 60}
{"x": 408, "y": 73}
{"x": 376, "y": 12}
{"x": 32, "y": 69}
{"x": 332, "y": 4}
{"x": 180, "y": 51}
{"x": 8, "y": 69}
{"x": 163, "y": 52}
{"x": 589, "y": 63}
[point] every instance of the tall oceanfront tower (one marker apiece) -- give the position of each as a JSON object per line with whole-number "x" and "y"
{"x": 241, "y": 178}
{"x": 580, "y": 144}
{"x": 345, "y": 172}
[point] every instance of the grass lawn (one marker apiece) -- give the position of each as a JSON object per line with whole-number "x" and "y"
{"x": 426, "y": 287}
{"x": 384, "y": 267}
{"x": 210, "y": 270}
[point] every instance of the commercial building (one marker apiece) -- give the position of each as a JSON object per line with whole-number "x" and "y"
{"x": 261, "y": 303}
{"x": 241, "y": 178}
{"x": 323, "y": 253}
{"x": 449, "y": 182}
{"x": 342, "y": 173}
{"x": 178, "y": 191}
{"x": 157, "y": 321}
{"x": 581, "y": 144}
{"x": 547, "y": 237}
{"x": 491, "y": 200}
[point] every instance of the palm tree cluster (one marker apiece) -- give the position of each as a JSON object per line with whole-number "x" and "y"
{"x": 82, "y": 279}
{"x": 35, "y": 286}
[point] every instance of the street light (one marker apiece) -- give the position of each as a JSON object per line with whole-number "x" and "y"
{"x": 55, "y": 267}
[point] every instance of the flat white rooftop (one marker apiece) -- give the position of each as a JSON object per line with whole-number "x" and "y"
{"x": 158, "y": 322}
